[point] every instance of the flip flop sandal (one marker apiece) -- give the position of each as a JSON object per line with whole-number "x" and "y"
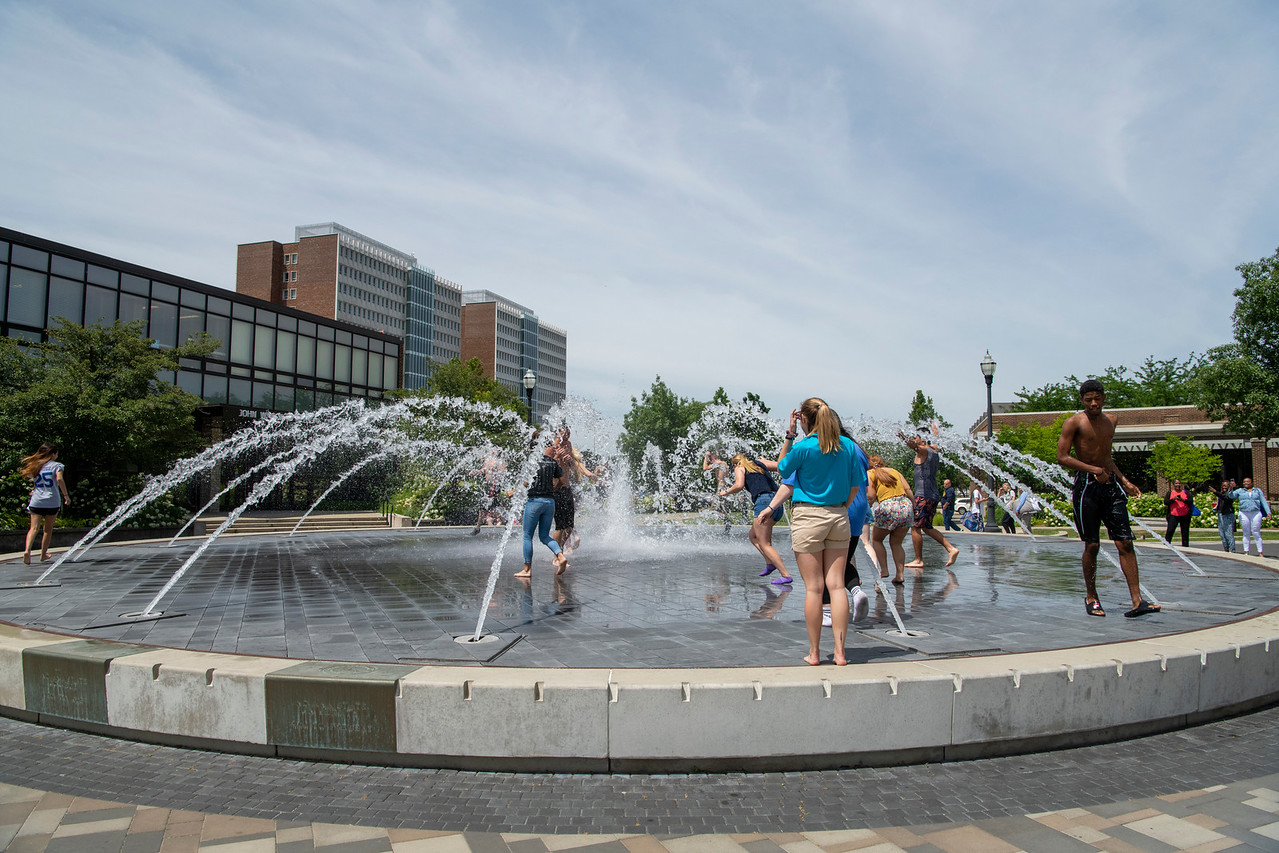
{"x": 1094, "y": 608}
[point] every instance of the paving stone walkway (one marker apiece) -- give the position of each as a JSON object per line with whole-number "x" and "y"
{"x": 1213, "y": 787}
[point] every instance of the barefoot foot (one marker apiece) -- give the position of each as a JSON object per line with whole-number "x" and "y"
{"x": 841, "y": 661}
{"x": 954, "y": 555}
{"x": 812, "y": 659}
{"x": 915, "y": 564}
{"x": 527, "y": 573}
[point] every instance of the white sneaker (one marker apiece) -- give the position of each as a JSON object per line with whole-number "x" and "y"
{"x": 826, "y": 617}
{"x": 861, "y": 604}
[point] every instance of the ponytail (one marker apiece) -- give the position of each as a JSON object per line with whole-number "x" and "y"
{"x": 823, "y": 421}
{"x": 32, "y": 464}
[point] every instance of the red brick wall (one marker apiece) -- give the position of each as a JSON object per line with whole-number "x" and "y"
{"x": 317, "y": 270}
{"x": 259, "y": 269}
{"x": 479, "y": 334}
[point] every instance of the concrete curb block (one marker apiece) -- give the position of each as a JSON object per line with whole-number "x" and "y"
{"x": 598, "y": 720}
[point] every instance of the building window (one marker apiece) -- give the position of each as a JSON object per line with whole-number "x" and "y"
{"x": 293, "y": 276}
{"x": 293, "y": 293}
{"x": 286, "y": 276}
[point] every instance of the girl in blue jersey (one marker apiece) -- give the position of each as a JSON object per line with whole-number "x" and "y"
{"x": 48, "y": 496}
{"x": 826, "y": 481}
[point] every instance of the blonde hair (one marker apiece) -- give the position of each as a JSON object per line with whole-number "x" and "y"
{"x": 823, "y": 421}
{"x": 746, "y": 462}
{"x": 32, "y": 464}
{"x": 884, "y": 475}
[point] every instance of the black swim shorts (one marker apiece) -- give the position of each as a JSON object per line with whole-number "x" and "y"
{"x": 1095, "y": 503}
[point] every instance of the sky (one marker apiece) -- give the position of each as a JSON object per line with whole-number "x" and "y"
{"x": 853, "y": 200}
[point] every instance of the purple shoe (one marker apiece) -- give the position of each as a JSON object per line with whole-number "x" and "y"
{"x": 780, "y": 581}
{"x": 769, "y": 568}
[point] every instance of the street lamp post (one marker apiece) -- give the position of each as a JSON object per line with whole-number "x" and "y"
{"x": 988, "y": 370}
{"x": 530, "y": 382}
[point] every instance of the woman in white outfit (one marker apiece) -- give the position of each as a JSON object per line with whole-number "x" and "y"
{"x": 1252, "y": 509}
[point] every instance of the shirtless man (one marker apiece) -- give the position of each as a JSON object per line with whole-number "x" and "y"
{"x": 1100, "y": 495}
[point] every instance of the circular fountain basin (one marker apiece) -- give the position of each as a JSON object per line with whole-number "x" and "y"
{"x": 654, "y": 652}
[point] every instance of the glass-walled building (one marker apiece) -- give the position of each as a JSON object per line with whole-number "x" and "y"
{"x": 270, "y": 357}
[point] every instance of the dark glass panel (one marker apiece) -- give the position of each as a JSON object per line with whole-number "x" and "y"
{"x": 285, "y": 343}
{"x": 264, "y": 346}
{"x": 26, "y": 296}
{"x": 134, "y": 308}
{"x": 190, "y": 322}
{"x": 68, "y": 268}
{"x": 359, "y": 367}
{"x": 189, "y": 381}
{"x": 306, "y": 327}
{"x": 4, "y": 251}
{"x": 66, "y": 299}
{"x": 323, "y": 399}
{"x": 189, "y": 363}
{"x": 324, "y": 360}
{"x": 263, "y": 374}
{"x": 326, "y": 333}
{"x": 215, "y": 389}
{"x": 166, "y": 376}
{"x": 219, "y": 327}
{"x": 135, "y": 284}
{"x": 342, "y": 371}
{"x": 241, "y": 342}
{"x": 390, "y": 371}
{"x": 167, "y": 292}
{"x": 218, "y": 305}
{"x": 25, "y": 256}
{"x": 304, "y": 400}
{"x": 23, "y": 335}
{"x": 375, "y": 345}
{"x": 241, "y": 311}
{"x": 360, "y": 342}
{"x": 343, "y": 337}
{"x": 103, "y": 276}
{"x": 306, "y": 356}
{"x": 164, "y": 324}
{"x": 266, "y": 318}
{"x": 99, "y": 306}
{"x": 192, "y": 299}
{"x": 375, "y": 371}
{"x": 4, "y": 287}
{"x": 241, "y": 371}
{"x": 263, "y": 395}
{"x": 240, "y": 392}
{"x": 289, "y": 324}
{"x": 284, "y": 398}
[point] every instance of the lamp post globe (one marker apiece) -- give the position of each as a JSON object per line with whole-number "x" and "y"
{"x": 530, "y": 382}
{"x": 988, "y": 371}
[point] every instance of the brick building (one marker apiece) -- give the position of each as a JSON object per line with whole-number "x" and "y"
{"x": 509, "y": 339}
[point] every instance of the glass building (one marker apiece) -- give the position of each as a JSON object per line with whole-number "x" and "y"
{"x": 270, "y": 357}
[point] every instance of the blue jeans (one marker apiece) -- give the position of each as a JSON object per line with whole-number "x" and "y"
{"x": 948, "y": 520}
{"x": 538, "y": 515}
{"x": 1226, "y": 527}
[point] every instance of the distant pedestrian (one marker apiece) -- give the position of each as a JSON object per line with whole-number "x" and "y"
{"x": 1178, "y": 506}
{"x": 1004, "y": 499}
{"x": 1026, "y": 507}
{"x": 45, "y": 472}
{"x": 539, "y": 512}
{"x": 947, "y": 506}
{"x": 1252, "y": 509}
{"x": 1225, "y": 508}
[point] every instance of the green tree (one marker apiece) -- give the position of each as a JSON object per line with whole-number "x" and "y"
{"x": 94, "y": 391}
{"x": 468, "y": 381}
{"x": 1177, "y": 459}
{"x": 720, "y": 397}
{"x": 1240, "y": 381}
{"x": 1156, "y": 382}
{"x": 658, "y": 416}
{"x": 923, "y": 412}
{"x": 1034, "y": 439}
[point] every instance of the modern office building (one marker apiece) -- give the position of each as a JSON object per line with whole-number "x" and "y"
{"x": 508, "y": 339}
{"x": 334, "y": 272}
{"x": 271, "y": 357}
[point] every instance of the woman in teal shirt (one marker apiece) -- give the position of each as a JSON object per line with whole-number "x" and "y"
{"x": 826, "y": 481}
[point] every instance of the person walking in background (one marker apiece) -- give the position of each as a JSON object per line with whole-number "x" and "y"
{"x": 48, "y": 496}
{"x": 1252, "y": 509}
{"x": 977, "y": 502}
{"x": 927, "y": 459}
{"x": 752, "y": 477}
{"x": 1225, "y": 508}
{"x": 1177, "y": 506}
{"x": 1026, "y": 507}
{"x": 947, "y": 506}
{"x": 825, "y": 484}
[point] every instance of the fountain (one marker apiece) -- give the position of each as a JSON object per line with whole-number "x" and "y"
{"x": 581, "y": 671}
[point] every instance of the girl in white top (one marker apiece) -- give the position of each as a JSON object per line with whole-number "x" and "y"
{"x": 48, "y": 496}
{"x": 1252, "y": 509}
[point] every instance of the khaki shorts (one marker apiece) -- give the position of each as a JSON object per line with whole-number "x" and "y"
{"x": 814, "y": 529}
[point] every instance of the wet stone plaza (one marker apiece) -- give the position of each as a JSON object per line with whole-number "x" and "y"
{"x": 669, "y": 599}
